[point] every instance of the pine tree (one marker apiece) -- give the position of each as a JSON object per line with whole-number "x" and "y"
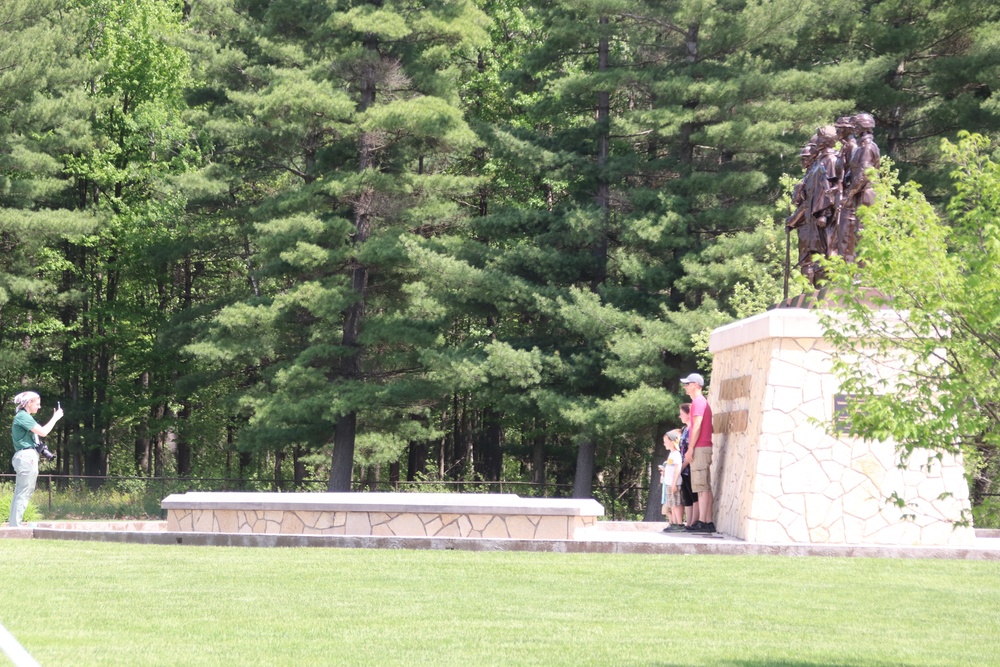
{"x": 346, "y": 121}
{"x": 643, "y": 148}
{"x": 40, "y": 116}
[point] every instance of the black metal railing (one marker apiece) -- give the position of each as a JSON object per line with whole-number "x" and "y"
{"x": 87, "y": 491}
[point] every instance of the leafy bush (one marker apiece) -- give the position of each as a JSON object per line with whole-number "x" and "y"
{"x": 987, "y": 515}
{"x": 103, "y": 504}
{"x": 31, "y": 513}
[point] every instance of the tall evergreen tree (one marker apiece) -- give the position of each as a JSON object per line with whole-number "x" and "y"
{"x": 42, "y": 116}
{"x": 645, "y": 150}
{"x": 346, "y": 120}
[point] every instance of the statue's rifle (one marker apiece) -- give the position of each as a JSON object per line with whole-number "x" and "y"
{"x": 791, "y": 222}
{"x": 788, "y": 257}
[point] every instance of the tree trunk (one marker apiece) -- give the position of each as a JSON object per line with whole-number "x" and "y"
{"x": 342, "y": 466}
{"x": 245, "y": 461}
{"x": 142, "y": 448}
{"x": 442, "y": 453}
{"x": 157, "y": 412}
{"x": 492, "y": 443}
{"x": 461, "y": 461}
{"x": 538, "y": 463}
{"x": 686, "y": 150}
{"x": 492, "y": 452}
{"x": 659, "y": 456}
{"x": 95, "y": 457}
{"x": 341, "y": 469}
{"x": 583, "y": 483}
{"x": 183, "y": 453}
{"x": 298, "y": 467}
{"x": 279, "y": 478}
{"x": 455, "y": 455}
{"x": 142, "y": 432}
{"x": 603, "y": 198}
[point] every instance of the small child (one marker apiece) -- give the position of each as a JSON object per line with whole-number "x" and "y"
{"x": 670, "y": 474}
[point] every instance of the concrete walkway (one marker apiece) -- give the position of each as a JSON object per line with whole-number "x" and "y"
{"x": 606, "y": 537}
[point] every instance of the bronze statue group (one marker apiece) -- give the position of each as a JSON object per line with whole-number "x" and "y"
{"x": 829, "y": 194}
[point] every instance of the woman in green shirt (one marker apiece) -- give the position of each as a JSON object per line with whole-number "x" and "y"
{"x": 25, "y": 460}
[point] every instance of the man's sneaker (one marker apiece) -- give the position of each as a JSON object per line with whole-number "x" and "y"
{"x": 678, "y": 528}
{"x": 706, "y": 527}
{"x": 695, "y": 527}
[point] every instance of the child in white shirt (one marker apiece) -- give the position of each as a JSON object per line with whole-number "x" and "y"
{"x": 670, "y": 478}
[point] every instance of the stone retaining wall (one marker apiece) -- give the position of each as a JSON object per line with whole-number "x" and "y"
{"x": 381, "y": 514}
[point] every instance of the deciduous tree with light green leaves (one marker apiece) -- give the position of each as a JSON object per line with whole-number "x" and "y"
{"x": 941, "y": 272}
{"x": 124, "y": 281}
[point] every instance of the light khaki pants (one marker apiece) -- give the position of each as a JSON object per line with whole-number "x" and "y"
{"x": 26, "y": 466}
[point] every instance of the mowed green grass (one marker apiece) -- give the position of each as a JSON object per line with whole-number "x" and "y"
{"x": 92, "y": 603}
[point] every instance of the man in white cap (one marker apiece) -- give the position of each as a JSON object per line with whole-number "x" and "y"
{"x": 699, "y": 453}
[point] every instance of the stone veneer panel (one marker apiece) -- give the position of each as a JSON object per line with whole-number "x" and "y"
{"x": 784, "y": 479}
{"x": 377, "y": 523}
{"x": 247, "y": 514}
{"x": 552, "y": 528}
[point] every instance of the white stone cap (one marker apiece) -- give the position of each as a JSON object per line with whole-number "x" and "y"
{"x": 790, "y": 323}
{"x": 439, "y": 503}
{"x": 778, "y": 323}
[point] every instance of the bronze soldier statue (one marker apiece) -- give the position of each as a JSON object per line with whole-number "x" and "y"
{"x": 845, "y": 133}
{"x": 824, "y": 188}
{"x": 846, "y": 220}
{"x": 860, "y": 191}
{"x": 848, "y": 142}
{"x": 812, "y": 239}
{"x": 833, "y": 187}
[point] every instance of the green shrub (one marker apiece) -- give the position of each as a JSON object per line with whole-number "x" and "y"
{"x": 987, "y": 515}
{"x": 103, "y": 504}
{"x": 31, "y": 513}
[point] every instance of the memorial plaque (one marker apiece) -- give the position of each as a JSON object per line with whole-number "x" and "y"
{"x": 730, "y": 422}
{"x": 735, "y": 388}
{"x": 841, "y": 417}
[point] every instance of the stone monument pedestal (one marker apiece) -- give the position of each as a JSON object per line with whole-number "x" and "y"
{"x": 779, "y": 477}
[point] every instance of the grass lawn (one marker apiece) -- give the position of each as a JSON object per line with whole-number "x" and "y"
{"x": 92, "y": 603}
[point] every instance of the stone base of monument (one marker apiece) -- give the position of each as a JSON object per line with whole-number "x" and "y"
{"x": 778, "y": 476}
{"x": 384, "y": 514}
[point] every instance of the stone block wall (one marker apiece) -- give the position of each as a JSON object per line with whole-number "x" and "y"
{"x": 381, "y": 514}
{"x": 398, "y": 524}
{"x": 778, "y": 476}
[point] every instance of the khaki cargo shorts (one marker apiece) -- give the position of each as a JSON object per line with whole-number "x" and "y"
{"x": 701, "y": 470}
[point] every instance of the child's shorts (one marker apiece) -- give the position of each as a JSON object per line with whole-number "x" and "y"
{"x": 672, "y": 499}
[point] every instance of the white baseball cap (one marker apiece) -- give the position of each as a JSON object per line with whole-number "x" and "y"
{"x": 694, "y": 377}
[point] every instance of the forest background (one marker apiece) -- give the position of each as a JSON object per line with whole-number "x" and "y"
{"x": 442, "y": 240}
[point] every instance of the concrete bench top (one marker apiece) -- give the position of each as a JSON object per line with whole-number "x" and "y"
{"x": 438, "y": 503}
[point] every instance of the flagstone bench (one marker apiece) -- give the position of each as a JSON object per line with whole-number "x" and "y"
{"x": 386, "y": 514}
